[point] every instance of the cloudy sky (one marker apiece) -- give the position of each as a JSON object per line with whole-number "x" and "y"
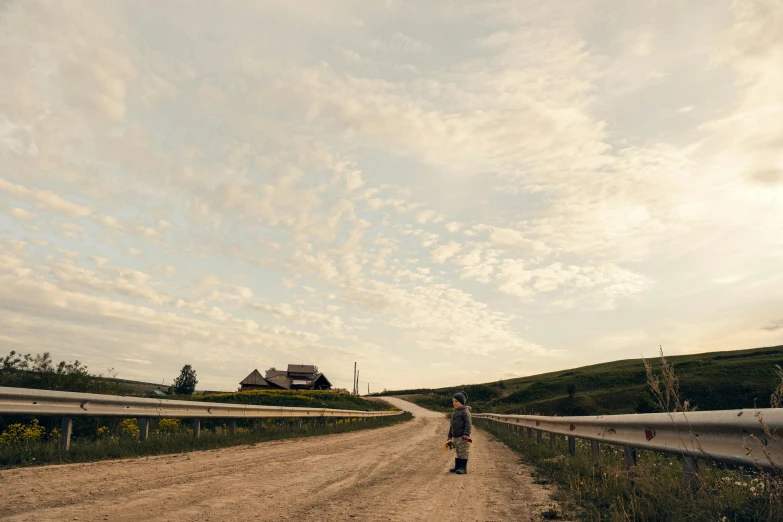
{"x": 446, "y": 192}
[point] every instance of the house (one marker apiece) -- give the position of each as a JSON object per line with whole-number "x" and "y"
{"x": 296, "y": 377}
{"x": 254, "y": 381}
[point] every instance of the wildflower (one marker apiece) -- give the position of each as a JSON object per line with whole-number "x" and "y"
{"x": 16, "y": 433}
{"x": 130, "y": 427}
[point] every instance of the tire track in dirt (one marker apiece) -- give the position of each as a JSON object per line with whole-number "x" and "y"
{"x": 393, "y": 473}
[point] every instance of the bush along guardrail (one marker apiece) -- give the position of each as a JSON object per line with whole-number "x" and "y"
{"x": 99, "y": 438}
{"x": 42, "y": 403}
{"x": 738, "y": 437}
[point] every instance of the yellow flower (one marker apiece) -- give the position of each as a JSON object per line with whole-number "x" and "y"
{"x": 168, "y": 425}
{"x": 16, "y": 433}
{"x": 130, "y": 427}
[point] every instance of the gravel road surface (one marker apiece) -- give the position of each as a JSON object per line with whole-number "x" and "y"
{"x": 394, "y": 473}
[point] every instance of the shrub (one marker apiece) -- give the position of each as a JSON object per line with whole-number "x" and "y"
{"x": 17, "y": 433}
{"x": 168, "y": 425}
{"x": 130, "y": 427}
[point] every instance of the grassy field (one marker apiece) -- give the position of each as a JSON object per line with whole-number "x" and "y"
{"x": 711, "y": 381}
{"x": 299, "y": 398}
{"x": 652, "y": 492}
{"x": 38, "y": 446}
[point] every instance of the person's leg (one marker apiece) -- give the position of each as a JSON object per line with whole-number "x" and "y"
{"x": 463, "y": 452}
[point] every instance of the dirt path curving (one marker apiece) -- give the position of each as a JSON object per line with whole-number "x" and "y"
{"x": 394, "y": 473}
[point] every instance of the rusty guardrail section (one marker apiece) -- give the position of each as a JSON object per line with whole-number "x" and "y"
{"x": 23, "y": 401}
{"x": 732, "y": 437}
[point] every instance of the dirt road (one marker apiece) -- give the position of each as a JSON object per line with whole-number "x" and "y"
{"x": 394, "y": 473}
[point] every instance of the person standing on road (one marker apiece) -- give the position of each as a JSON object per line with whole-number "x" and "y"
{"x": 459, "y": 432}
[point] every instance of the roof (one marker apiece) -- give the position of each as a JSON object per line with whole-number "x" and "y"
{"x": 285, "y": 385}
{"x": 321, "y": 378}
{"x": 254, "y": 379}
{"x": 275, "y": 373}
{"x": 301, "y": 368}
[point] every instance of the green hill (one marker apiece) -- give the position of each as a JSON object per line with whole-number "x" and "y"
{"x": 711, "y": 381}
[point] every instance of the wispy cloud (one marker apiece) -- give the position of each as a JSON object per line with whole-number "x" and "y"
{"x": 401, "y": 198}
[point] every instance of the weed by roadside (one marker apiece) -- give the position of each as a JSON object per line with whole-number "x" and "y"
{"x": 653, "y": 490}
{"x": 170, "y": 436}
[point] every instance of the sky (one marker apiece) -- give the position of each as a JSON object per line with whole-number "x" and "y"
{"x": 444, "y": 192}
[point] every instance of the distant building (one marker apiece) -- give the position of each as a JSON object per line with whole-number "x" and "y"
{"x": 297, "y": 377}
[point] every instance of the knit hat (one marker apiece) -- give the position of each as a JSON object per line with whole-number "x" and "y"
{"x": 461, "y": 397}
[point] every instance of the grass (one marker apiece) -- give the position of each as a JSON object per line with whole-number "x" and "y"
{"x": 179, "y": 439}
{"x": 88, "y": 426}
{"x": 712, "y": 381}
{"x": 652, "y": 492}
{"x": 298, "y": 398}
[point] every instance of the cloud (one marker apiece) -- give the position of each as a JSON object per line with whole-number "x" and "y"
{"x": 444, "y": 252}
{"x": 774, "y": 326}
{"x": 44, "y": 199}
{"x": 549, "y": 168}
{"x": 20, "y": 213}
{"x": 403, "y": 43}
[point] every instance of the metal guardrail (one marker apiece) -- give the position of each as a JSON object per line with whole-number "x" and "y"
{"x": 738, "y": 437}
{"x": 23, "y": 401}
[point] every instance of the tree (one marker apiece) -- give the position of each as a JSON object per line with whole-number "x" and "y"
{"x": 571, "y": 389}
{"x": 185, "y": 384}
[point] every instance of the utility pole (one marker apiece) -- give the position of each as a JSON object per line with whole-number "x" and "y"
{"x": 357, "y": 382}
{"x": 354, "y": 378}
{"x": 368, "y": 388}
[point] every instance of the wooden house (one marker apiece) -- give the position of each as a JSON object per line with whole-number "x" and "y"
{"x": 254, "y": 381}
{"x": 296, "y": 377}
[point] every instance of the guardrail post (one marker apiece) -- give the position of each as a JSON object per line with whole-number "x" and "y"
{"x": 257, "y": 425}
{"x": 538, "y": 436}
{"x": 630, "y": 458}
{"x": 551, "y": 440}
{"x": 571, "y": 445}
{"x": 144, "y": 429}
{"x": 530, "y": 433}
{"x": 196, "y": 428}
{"x": 65, "y": 433}
{"x": 690, "y": 472}
{"x": 299, "y": 423}
{"x": 596, "y": 447}
{"x": 232, "y": 427}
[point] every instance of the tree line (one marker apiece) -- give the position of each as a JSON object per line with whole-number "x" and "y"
{"x": 18, "y": 370}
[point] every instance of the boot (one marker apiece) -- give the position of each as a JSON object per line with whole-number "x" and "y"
{"x": 456, "y": 466}
{"x": 463, "y": 470}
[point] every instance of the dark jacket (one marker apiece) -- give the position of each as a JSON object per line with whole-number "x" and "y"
{"x": 460, "y": 422}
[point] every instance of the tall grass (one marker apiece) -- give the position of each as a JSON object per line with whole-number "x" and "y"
{"x": 169, "y": 436}
{"x": 654, "y": 489}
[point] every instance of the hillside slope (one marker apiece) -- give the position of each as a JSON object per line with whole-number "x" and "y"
{"x": 711, "y": 381}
